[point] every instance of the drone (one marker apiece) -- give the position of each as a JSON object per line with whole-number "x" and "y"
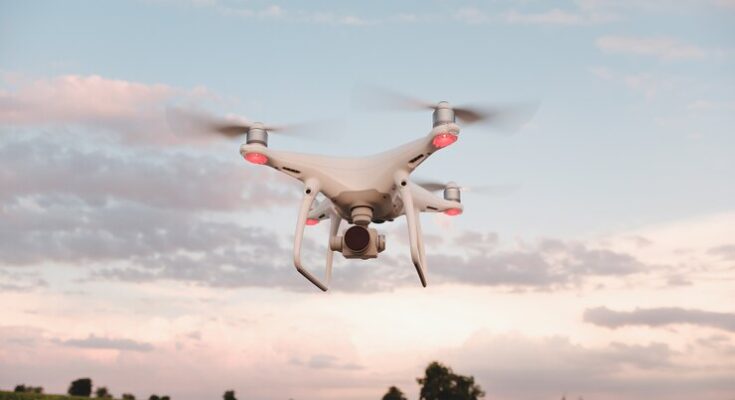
{"x": 363, "y": 190}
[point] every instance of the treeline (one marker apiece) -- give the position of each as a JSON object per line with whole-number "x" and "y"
{"x": 82, "y": 387}
{"x": 441, "y": 383}
{"x": 438, "y": 383}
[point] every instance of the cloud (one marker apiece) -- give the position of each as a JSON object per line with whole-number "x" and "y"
{"x": 172, "y": 180}
{"x": 131, "y": 112}
{"x": 549, "y": 264}
{"x": 95, "y": 342}
{"x": 729, "y": 4}
{"x": 73, "y": 98}
{"x": 649, "y": 84}
{"x": 69, "y": 232}
{"x": 556, "y": 17}
{"x": 278, "y": 13}
{"x": 519, "y": 367}
{"x": 655, "y": 7}
{"x": 709, "y": 105}
{"x": 95, "y": 215}
{"x": 325, "y": 361}
{"x": 20, "y": 281}
{"x": 660, "y": 47}
{"x": 65, "y": 202}
{"x": 655, "y": 317}
{"x": 726, "y": 251}
{"x": 472, "y": 15}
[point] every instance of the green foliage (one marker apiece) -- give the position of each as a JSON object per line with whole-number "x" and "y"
{"x": 229, "y": 395}
{"x": 28, "y": 389}
{"x": 36, "y": 396}
{"x": 81, "y": 387}
{"x": 441, "y": 383}
{"x": 102, "y": 393}
{"x": 128, "y": 396}
{"x": 394, "y": 394}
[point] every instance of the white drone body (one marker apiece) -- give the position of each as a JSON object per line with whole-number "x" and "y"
{"x": 362, "y": 190}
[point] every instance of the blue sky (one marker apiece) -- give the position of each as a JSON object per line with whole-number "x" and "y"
{"x": 632, "y": 144}
{"x": 598, "y": 147}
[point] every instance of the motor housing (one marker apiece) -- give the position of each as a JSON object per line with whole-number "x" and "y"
{"x": 257, "y": 134}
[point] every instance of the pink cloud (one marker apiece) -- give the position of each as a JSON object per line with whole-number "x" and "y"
{"x": 75, "y": 98}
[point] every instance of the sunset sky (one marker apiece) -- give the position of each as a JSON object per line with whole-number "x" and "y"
{"x": 154, "y": 262}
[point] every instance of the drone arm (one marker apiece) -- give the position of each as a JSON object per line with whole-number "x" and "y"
{"x": 425, "y": 201}
{"x": 410, "y": 155}
{"x": 414, "y": 228}
{"x": 311, "y": 188}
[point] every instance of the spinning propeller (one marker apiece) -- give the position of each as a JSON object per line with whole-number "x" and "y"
{"x": 198, "y": 122}
{"x": 493, "y": 190}
{"x": 507, "y": 117}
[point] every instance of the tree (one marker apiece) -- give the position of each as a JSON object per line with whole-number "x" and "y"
{"x": 154, "y": 397}
{"x": 394, "y": 394}
{"x": 165, "y": 398}
{"x": 441, "y": 383}
{"x": 102, "y": 393}
{"x": 229, "y": 395}
{"x": 28, "y": 389}
{"x": 128, "y": 396}
{"x": 81, "y": 387}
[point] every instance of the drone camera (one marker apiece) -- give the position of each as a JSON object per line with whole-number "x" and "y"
{"x": 358, "y": 242}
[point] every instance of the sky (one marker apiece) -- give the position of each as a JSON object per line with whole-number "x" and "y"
{"x": 155, "y": 262}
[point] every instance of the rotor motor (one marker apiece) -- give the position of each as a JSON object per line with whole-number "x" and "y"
{"x": 257, "y": 135}
{"x": 443, "y": 114}
{"x": 452, "y": 192}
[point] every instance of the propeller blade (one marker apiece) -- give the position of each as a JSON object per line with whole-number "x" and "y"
{"x": 491, "y": 190}
{"x": 470, "y": 116}
{"x": 432, "y": 186}
{"x": 197, "y": 122}
{"x": 509, "y": 117}
{"x": 504, "y": 117}
{"x": 376, "y": 98}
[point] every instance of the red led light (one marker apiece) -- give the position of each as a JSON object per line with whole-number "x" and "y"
{"x": 312, "y": 221}
{"x": 256, "y": 158}
{"x": 453, "y": 211}
{"x": 444, "y": 140}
